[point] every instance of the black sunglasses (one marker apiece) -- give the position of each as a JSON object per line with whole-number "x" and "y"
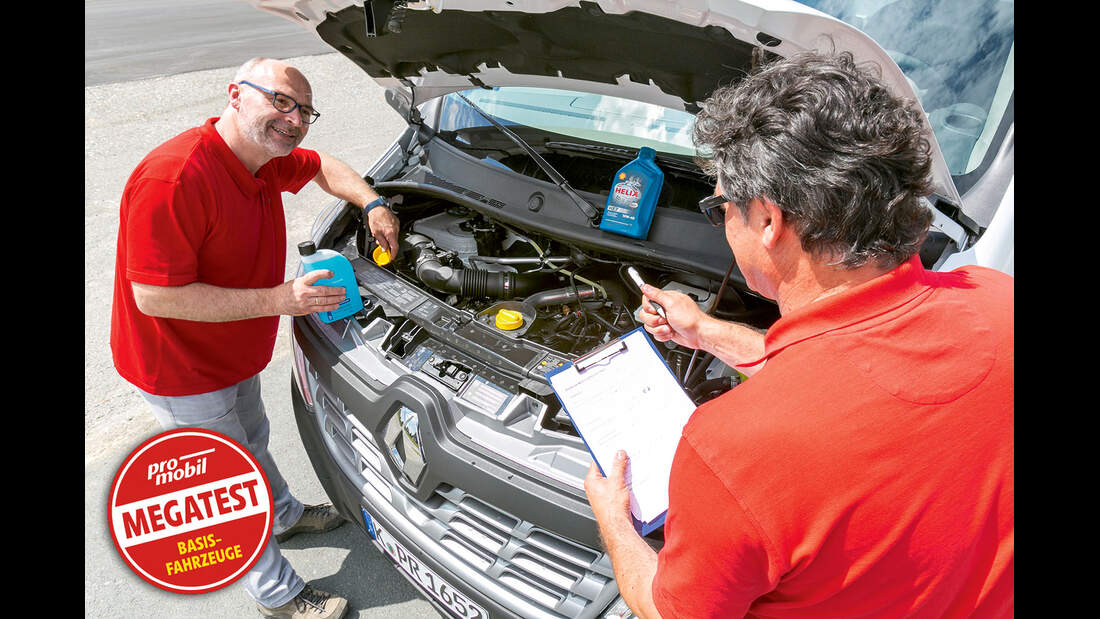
{"x": 710, "y": 207}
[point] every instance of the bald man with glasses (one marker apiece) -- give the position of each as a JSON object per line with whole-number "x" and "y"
{"x": 199, "y": 286}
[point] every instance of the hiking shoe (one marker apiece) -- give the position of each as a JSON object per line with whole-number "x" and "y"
{"x": 315, "y": 519}
{"x": 310, "y": 603}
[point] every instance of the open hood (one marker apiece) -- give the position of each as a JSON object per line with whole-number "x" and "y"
{"x": 672, "y": 53}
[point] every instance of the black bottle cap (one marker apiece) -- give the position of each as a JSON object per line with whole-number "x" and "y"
{"x": 306, "y": 248}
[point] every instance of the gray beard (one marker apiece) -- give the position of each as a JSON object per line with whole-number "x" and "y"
{"x": 258, "y": 134}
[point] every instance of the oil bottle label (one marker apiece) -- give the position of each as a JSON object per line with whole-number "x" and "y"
{"x": 625, "y": 196}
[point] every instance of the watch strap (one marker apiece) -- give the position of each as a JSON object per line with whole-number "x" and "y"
{"x": 379, "y": 201}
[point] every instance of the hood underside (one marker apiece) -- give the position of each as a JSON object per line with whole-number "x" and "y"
{"x": 581, "y": 43}
{"x": 663, "y": 52}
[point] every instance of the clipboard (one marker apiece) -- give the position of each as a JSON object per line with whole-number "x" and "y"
{"x": 623, "y": 395}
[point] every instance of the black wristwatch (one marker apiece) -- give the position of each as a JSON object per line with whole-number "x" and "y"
{"x": 379, "y": 201}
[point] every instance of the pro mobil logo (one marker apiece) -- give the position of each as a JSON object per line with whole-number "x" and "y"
{"x": 190, "y": 510}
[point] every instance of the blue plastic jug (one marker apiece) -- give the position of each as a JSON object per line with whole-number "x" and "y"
{"x": 343, "y": 275}
{"x": 633, "y": 198}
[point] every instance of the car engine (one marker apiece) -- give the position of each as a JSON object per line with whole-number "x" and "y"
{"x": 541, "y": 293}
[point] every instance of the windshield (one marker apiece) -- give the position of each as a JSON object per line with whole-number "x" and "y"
{"x": 596, "y": 118}
{"x": 958, "y": 56}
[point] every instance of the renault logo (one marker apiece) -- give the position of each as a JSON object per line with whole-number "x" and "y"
{"x": 403, "y": 441}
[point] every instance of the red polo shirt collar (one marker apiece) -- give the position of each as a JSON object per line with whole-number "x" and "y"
{"x": 248, "y": 183}
{"x": 857, "y": 304}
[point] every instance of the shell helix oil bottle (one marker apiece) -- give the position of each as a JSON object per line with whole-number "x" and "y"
{"x": 633, "y": 198}
{"x": 343, "y": 276}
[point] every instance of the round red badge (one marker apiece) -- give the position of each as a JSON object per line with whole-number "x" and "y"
{"x": 190, "y": 510}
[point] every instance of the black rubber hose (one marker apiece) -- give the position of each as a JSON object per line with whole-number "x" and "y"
{"x": 472, "y": 282}
{"x": 560, "y": 296}
{"x": 713, "y": 387}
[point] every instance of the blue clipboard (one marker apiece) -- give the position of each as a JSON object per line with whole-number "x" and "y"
{"x": 599, "y": 361}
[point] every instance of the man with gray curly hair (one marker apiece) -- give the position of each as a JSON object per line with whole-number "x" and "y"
{"x": 866, "y": 467}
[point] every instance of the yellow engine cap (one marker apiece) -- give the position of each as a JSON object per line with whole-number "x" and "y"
{"x": 381, "y": 257}
{"x": 508, "y": 320}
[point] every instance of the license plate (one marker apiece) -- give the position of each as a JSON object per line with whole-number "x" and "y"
{"x": 427, "y": 579}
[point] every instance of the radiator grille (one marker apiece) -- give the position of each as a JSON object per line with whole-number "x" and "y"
{"x": 559, "y": 576}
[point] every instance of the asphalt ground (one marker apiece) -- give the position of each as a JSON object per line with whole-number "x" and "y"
{"x": 126, "y": 39}
{"x": 123, "y": 121}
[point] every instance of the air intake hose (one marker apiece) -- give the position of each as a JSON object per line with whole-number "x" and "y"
{"x": 471, "y": 282}
{"x": 561, "y": 296}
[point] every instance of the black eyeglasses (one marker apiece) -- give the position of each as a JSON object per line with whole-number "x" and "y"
{"x": 287, "y": 105}
{"x": 710, "y": 207}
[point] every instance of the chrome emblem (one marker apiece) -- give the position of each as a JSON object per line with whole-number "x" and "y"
{"x": 405, "y": 447}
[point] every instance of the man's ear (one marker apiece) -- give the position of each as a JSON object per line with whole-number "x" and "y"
{"x": 234, "y": 92}
{"x": 772, "y": 223}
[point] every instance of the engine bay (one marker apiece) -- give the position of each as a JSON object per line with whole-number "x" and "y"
{"x": 535, "y": 292}
{"x": 499, "y": 279}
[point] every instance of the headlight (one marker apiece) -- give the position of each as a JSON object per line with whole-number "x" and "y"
{"x": 618, "y": 610}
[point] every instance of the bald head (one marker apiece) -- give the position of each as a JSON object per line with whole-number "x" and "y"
{"x": 267, "y": 70}
{"x": 253, "y": 127}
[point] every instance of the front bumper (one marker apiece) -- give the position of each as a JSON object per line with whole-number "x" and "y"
{"x": 491, "y": 531}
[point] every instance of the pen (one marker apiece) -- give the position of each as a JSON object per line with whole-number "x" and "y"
{"x": 633, "y": 273}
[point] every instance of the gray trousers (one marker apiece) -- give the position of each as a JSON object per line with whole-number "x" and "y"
{"x": 238, "y": 412}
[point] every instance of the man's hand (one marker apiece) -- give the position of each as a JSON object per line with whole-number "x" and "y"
{"x": 299, "y": 297}
{"x": 609, "y": 496}
{"x": 338, "y": 179}
{"x": 383, "y": 226}
{"x": 733, "y": 343}
{"x": 205, "y": 303}
{"x": 633, "y": 561}
{"x": 683, "y": 317}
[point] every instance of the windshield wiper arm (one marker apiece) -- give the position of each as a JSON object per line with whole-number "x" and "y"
{"x": 591, "y": 212}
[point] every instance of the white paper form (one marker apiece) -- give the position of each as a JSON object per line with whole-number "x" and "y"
{"x": 623, "y": 396}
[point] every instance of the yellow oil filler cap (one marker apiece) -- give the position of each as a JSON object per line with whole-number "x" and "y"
{"x": 381, "y": 257}
{"x": 509, "y": 320}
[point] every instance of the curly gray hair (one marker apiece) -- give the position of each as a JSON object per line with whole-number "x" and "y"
{"x": 826, "y": 141}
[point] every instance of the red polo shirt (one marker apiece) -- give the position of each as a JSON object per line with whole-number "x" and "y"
{"x": 192, "y": 212}
{"x": 867, "y": 470}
